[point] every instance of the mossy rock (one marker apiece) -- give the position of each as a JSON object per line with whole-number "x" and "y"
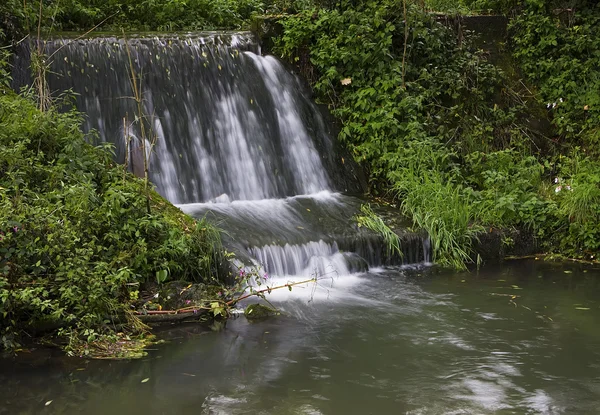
{"x": 256, "y": 312}
{"x": 180, "y": 294}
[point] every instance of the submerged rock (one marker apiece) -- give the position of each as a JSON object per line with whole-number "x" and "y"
{"x": 255, "y": 312}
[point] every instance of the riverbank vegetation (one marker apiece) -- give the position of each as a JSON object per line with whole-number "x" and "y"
{"x": 80, "y": 237}
{"x": 454, "y": 137}
{"x": 462, "y": 143}
{"x": 131, "y": 15}
{"x": 77, "y": 243}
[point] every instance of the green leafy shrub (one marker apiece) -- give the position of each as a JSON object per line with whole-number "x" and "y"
{"x": 76, "y": 242}
{"x": 446, "y": 6}
{"x": 503, "y": 181}
{"x": 560, "y": 52}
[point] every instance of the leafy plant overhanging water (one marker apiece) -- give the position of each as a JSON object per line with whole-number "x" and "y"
{"x": 76, "y": 239}
{"x": 441, "y": 128}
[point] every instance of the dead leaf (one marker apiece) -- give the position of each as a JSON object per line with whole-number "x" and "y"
{"x": 346, "y": 81}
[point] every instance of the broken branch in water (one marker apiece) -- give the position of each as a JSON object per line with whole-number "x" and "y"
{"x": 289, "y": 285}
{"x": 195, "y": 309}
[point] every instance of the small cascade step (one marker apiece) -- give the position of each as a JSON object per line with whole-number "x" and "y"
{"x": 312, "y": 258}
{"x": 318, "y": 258}
{"x": 307, "y": 235}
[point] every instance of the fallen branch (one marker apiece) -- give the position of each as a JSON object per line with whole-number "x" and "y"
{"x": 187, "y": 310}
{"x": 536, "y": 256}
{"x": 558, "y": 258}
{"x": 169, "y": 318}
{"x": 269, "y": 289}
{"x": 196, "y": 309}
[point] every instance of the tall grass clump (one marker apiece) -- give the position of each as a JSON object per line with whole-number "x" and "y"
{"x": 445, "y": 211}
{"x": 370, "y": 220}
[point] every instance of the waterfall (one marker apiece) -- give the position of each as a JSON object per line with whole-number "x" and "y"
{"x": 231, "y": 124}
{"x": 238, "y": 141}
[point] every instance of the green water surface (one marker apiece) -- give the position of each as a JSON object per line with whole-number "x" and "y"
{"x": 516, "y": 338}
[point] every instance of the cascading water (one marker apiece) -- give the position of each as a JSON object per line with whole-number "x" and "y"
{"x": 238, "y": 141}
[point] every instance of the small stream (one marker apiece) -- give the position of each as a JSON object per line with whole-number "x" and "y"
{"x": 400, "y": 340}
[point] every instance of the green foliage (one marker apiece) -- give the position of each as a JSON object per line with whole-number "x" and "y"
{"x": 445, "y": 211}
{"x": 134, "y": 15}
{"x": 76, "y": 240}
{"x": 560, "y": 52}
{"x": 446, "y": 6}
{"x": 371, "y": 220}
{"x": 5, "y": 77}
{"x": 431, "y": 125}
{"x": 14, "y": 14}
{"x": 446, "y": 132}
{"x": 491, "y": 6}
{"x": 502, "y": 183}
{"x": 288, "y": 6}
{"x": 577, "y": 196}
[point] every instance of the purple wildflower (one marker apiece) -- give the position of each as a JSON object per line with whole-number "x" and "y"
{"x": 187, "y": 301}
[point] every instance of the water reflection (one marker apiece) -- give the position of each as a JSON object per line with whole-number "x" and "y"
{"x": 520, "y": 338}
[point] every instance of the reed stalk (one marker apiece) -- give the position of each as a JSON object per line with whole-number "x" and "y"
{"x": 148, "y": 137}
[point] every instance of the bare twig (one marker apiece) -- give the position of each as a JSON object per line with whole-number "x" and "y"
{"x": 269, "y": 289}
{"x": 39, "y": 30}
{"x": 195, "y": 309}
{"x": 40, "y": 67}
{"x": 81, "y": 36}
{"x": 16, "y": 43}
